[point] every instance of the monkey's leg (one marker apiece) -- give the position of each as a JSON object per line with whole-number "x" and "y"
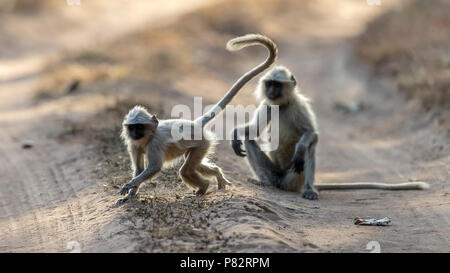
{"x": 209, "y": 169}
{"x": 304, "y": 161}
{"x": 266, "y": 171}
{"x": 189, "y": 173}
{"x": 308, "y": 191}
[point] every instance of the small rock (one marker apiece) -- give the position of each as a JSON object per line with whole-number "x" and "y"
{"x": 27, "y": 146}
{"x": 73, "y": 86}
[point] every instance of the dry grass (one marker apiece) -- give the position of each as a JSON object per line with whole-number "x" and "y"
{"x": 179, "y": 222}
{"x": 411, "y": 45}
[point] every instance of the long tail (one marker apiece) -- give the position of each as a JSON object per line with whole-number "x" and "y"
{"x": 234, "y": 45}
{"x": 373, "y": 185}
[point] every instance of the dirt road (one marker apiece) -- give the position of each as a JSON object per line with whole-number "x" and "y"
{"x": 50, "y": 194}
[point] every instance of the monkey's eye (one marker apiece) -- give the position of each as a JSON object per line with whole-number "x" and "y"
{"x": 276, "y": 84}
{"x": 136, "y": 127}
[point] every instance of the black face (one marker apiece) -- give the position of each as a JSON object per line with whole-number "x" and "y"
{"x": 136, "y": 131}
{"x": 273, "y": 89}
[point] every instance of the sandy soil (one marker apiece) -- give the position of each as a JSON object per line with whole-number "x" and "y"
{"x": 55, "y": 190}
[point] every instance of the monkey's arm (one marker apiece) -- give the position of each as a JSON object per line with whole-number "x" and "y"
{"x": 308, "y": 139}
{"x": 155, "y": 158}
{"x": 303, "y": 161}
{"x": 155, "y": 162}
{"x": 137, "y": 161}
{"x": 255, "y": 127}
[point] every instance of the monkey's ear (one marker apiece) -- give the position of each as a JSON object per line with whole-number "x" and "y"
{"x": 293, "y": 80}
{"x": 155, "y": 119}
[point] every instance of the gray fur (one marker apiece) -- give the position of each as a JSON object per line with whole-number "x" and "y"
{"x": 159, "y": 147}
{"x": 237, "y": 44}
{"x": 138, "y": 115}
{"x": 292, "y": 166}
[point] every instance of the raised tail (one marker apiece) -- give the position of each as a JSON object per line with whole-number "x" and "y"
{"x": 373, "y": 185}
{"x": 234, "y": 45}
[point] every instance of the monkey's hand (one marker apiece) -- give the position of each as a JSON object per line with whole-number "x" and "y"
{"x": 237, "y": 147}
{"x": 298, "y": 162}
{"x": 125, "y": 189}
{"x": 237, "y": 144}
{"x": 129, "y": 189}
{"x": 120, "y": 202}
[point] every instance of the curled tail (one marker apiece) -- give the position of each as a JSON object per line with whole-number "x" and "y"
{"x": 373, "y": 185}
{"x": 234, "y": 45}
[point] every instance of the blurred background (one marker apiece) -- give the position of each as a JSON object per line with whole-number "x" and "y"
{"x": 378, "y": 74}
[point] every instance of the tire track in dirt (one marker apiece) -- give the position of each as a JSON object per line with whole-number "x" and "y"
{"x": 45, "y": 211}
{"x": 54, "y": 180}
{"x": 23, "y": 192}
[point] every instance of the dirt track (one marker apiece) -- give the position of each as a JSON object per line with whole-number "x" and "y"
{"x": 50, "y": 196}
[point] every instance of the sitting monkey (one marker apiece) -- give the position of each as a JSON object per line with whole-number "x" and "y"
{"x": 292, "y": 166}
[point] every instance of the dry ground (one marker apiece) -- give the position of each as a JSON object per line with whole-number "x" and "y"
{"x": 410, "y": 45}
{"x": 63, "y": 161}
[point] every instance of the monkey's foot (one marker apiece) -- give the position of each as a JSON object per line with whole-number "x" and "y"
{"x": 200, "y": 192}
{"x": 222, "y": 183}
{"x": 310, "y": 194}
{"x": 254, "y": 181}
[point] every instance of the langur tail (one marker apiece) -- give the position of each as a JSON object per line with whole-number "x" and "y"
{"x": 234, "y": 45}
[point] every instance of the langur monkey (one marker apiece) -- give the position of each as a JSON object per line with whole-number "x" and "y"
{"x": 148, "y": 138}
{"x": 292, "y": 166}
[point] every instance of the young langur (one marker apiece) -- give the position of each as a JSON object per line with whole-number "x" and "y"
{"x": 292, "y": 166}
{"x": 152, "y": 141}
